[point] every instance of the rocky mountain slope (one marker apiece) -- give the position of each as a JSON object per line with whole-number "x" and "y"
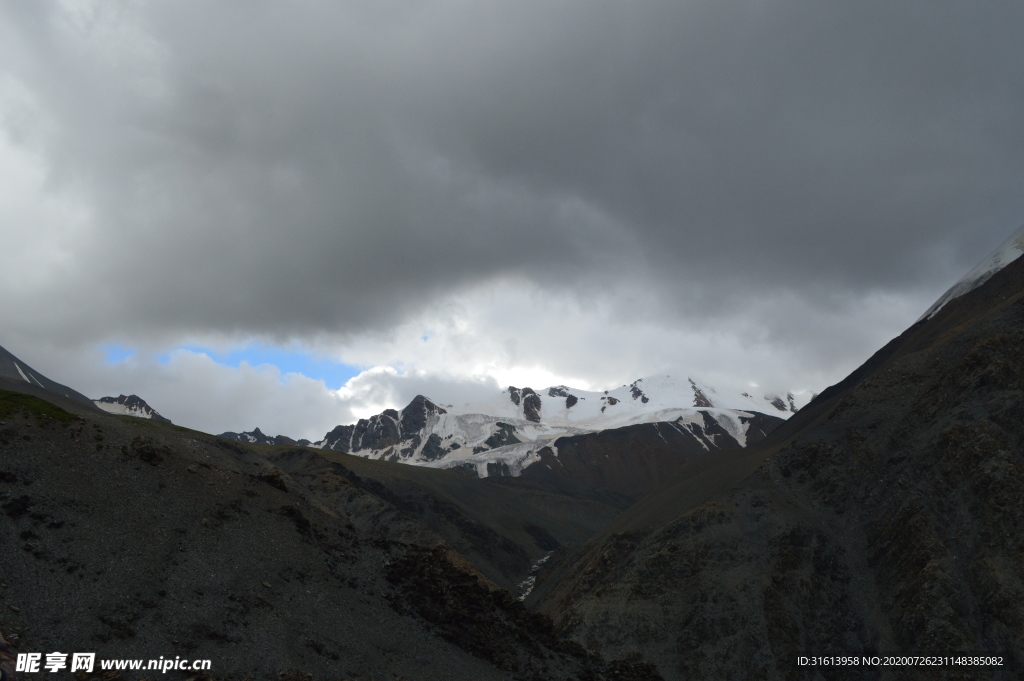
{"x": 1007, "y": 252}
{"x": 631, "y": 460}
{"x": 134, "y": 538}
{"x": 883, "y": 518}
{"x": 16, "y": 375}
{"x": 129, "y": 405}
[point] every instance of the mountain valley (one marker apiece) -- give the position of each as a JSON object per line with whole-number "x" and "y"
{"x": 662, "y": 530}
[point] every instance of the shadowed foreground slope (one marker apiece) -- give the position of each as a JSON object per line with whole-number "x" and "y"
{"x": 885, "y": 517}
{"x": 136, "y": 539}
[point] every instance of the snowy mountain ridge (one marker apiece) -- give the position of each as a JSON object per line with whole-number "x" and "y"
{"x": 510, "y": 430}
{"x": 258, "y": 437}
{"x": 596, "y": 410}
{"x": 1008, "y": 251}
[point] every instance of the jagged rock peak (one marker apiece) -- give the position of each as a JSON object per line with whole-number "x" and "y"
{"x": 414, "y": 416}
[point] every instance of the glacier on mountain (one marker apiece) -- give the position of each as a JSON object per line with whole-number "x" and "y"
{"x": 508, "y": 432}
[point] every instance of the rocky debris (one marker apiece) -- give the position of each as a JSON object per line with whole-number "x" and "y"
{"x": 570, "y": 401}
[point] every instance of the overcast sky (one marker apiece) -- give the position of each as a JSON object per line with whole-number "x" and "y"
{"x": 234, "y": 209}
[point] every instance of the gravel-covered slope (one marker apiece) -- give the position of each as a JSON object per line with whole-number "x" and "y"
{"x": 883, "y": 518}
{"x": 131, "y": 539}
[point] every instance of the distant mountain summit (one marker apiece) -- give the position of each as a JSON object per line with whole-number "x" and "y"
{"x": 129, "y": 405}
{"x": 520, "y": 428}
{"x": 257, "y": 437}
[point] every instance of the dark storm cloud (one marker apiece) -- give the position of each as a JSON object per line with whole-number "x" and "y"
{"x": 294, "y": 167}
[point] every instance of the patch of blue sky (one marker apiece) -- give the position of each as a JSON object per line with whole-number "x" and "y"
{"x": 288, "y": 361}
{"x": 115, "y": 354}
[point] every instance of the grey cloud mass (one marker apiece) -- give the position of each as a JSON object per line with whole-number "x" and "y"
{"x": 296, "y": 169}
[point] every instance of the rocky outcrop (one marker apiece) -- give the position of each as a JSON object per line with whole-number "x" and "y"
{"x": 531, "y": 405}
{"x": 504, "y": 435}
{"x": 699, "y": 398}
{"x": 529, "y": 400}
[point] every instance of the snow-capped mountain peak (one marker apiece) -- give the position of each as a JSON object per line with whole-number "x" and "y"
{"x": 1010, "y": 250}
{"x": 129, "y": 405}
